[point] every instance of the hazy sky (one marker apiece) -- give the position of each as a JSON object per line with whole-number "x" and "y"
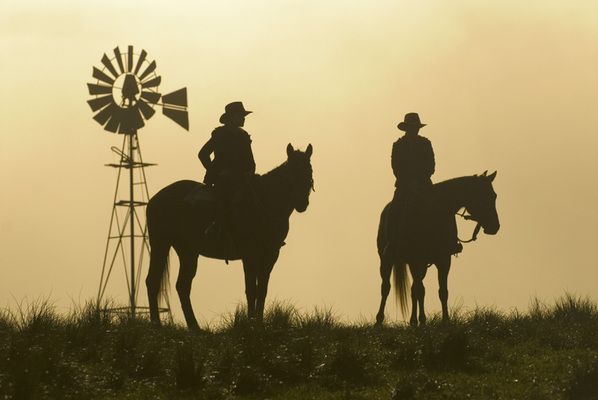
{"x": 509, "y": 86}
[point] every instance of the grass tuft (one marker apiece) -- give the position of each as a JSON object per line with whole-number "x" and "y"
{"x": 318, "y": 319}
{"x": 573, "y": 308}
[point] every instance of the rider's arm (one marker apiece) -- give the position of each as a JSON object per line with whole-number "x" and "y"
{"x": 205, "y": 152}
{"x": 429, "y": 159}
{"x": 250, "y": 159}
{"x": 394, "y": 159}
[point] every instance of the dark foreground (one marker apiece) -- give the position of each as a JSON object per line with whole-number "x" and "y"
{"x": 551, "y": 352}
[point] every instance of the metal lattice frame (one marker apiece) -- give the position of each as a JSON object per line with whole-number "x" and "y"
{"x": 125, "y": 227}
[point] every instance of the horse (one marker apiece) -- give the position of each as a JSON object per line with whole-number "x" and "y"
{"x": 182, "y": 215}
{"x": 475, "y": 194}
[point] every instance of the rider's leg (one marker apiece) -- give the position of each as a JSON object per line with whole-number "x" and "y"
{"x": 223, "y": 195}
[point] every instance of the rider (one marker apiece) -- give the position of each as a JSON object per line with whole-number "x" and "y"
{"x": 412, "y": 160}
{"x": 233, "y": 161}
{"x": 413, "y": 165}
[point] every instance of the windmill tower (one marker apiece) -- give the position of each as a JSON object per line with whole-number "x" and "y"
{"x": 125, "y": 95}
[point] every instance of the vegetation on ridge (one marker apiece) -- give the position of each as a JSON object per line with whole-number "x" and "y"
{"x": 550, "y": 352}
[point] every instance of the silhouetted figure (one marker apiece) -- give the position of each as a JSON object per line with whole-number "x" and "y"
{"x": 413, "y": 164}
{"x": 476, "y": 194}
{"x": 260, "y": 228}
{"x": 129, "y": 91}
{"x": 412, "y": 160}
{"x": 413, "y": 206}
{"x": 232, "y": 164}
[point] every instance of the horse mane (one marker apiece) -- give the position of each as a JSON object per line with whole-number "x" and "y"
{"x": 455, "y": 181}
{"x": 277, "y": 173}
{"x": 445, "y": 189}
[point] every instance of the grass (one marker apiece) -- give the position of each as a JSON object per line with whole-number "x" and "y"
{"x": 550, "y": 352}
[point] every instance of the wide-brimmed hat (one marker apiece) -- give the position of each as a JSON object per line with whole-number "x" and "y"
{"x": 234, "y": 108}
{"x": 411, "y": 120}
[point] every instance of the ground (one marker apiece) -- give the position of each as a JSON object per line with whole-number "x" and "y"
{"x": 549, "y": 352}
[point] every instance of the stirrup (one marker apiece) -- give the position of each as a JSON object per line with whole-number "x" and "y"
{"x": 457, "y": 248}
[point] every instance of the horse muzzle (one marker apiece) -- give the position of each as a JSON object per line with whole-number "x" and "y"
{"x": 491, "y": 230}
{"x": 302, "y": 207}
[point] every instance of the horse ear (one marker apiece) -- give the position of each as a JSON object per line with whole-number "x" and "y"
{"x": 492, "y": 176}
{"x": 309, "y": 150}
{"x": 485, "y": 173}
{"x": 290, "y": 149}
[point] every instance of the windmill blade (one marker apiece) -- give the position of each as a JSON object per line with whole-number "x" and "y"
{"x": 152, "y": 97}
{"x": 100, "y": 102}
{"x": 130, "y": 59}
{"x": 99, "y": 75}
{"x": 177, "y": 98}
{"x": 108, "y": 64}
{"x": 140, "y": 61}
{"x": 103, "y": 116}
{"x": 146, "y": 109}
{"x": 152, "y": 82}
{"x": 178, "y": 116}
{"x": 99, "y": 89}
{"x": 134, "y": 118}
{"x": 113, "y": 123}
{"x": 119, "y": 59}
{"x": 150, "y": 68}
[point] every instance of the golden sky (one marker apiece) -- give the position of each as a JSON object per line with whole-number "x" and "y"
{"x": 508, "y": 86}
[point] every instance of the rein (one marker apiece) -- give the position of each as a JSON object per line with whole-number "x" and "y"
{"x": 476, "y": 230}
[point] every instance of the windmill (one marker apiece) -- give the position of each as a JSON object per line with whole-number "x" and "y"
{"x": 125, "y": 95}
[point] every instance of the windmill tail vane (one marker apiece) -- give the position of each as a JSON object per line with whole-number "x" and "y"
{"x": 126, "y": 92}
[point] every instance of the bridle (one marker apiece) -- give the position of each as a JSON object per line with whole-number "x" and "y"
{"x": 476, "y": 230}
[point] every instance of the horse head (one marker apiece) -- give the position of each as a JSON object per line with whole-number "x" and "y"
{"x": 482, "y": 203}
{"x": 300, "y": 176}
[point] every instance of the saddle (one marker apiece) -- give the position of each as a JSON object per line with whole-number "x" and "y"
{"x": 423, "y": 231}
{"x": 201, "y": 194}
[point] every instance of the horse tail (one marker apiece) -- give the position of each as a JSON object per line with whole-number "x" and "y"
{"x": 401, "y": 285}
{"x": 401, "y": 278}
{"x": 158, "y": 274}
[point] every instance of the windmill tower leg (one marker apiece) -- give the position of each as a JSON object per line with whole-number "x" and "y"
{"x": 132, "y": 218}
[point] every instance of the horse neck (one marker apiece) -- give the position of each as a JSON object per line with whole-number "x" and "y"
{"x": 274, "y": 191}
{"x": 455, "y": 192}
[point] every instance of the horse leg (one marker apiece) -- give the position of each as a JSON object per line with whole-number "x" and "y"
{"x": 422, "y": 293}
{"x": 158, "y": 260}
{"x": 250, "y": 286}
{"x": 262, "y": 290}
{"x": 263, "y": 277}
{"x": 385, "y": 271}
{"x": 418, "y": 292}
{"x": 187, "y": 272}
{"x": 443, "y": 270}
{"x": 414, "y": 293}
